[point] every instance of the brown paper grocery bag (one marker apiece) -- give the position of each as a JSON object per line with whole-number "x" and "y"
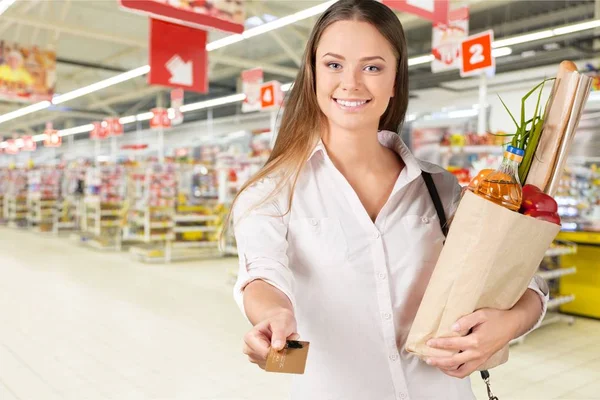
{"x": 490, "y": 256}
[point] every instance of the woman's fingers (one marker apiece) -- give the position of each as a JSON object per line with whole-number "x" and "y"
{"x": 452, "y": 362}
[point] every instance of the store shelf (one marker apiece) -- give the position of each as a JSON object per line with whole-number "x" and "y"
{"x": 111, "y": 213}
{"x": 151, "y": 238}
{"x": 181, "y": 229}
{"x": 194, "y": 218}
{"x": 557, "y": 273}
{"x": 108, "y": 224}
{"x": 472, "y": 149}
{"x": 559, "y": 301}
{"x": 561, "y": 251}
{"x": 153, "y": 225}
{"x": 191, "y": 245}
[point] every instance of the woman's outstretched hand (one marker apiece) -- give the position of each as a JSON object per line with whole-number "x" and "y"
{"x": 271, "y": 332}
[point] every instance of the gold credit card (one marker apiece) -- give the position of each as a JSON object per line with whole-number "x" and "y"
{"x": 290, "y": 360}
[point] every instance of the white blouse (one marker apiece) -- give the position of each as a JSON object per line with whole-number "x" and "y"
{"x": 355, "y": 285}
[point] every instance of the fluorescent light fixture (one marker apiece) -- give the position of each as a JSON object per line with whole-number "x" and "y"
{"x": 24, "y": 111}
{"x": 4, "y": 4}
{"x": 287, "y": 86}
{"x": 234, "y": 98}
{"x": 577, "y": 27}
{"x": 270, "y": 26}
{"x": 530, "y": 37}
{"x": 128, "y": 119}
{"x": 420, "y": 60}
{"x": 134, "y": 73}
{"x": 171, "y": 113}
{"x": 410, "y": 117}
{"x": 463, "y": 113}
{"x": 501, "y": 52}
{"x": 39, "y": 138}
{"x": 226, "y": 41}
{"x": 144, "y": 116}
{"x": 75, "y": 130}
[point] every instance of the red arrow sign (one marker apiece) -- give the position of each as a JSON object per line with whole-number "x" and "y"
{"x": 178, "y": 56}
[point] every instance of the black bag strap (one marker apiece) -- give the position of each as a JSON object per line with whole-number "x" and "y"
{"x": 437, "y": 202}
{"x": 439, "y": 208}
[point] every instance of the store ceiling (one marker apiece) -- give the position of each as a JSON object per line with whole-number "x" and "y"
{"x": 95, "y": 39}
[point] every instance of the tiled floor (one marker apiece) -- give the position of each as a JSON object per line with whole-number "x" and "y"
{"x": 79, "y": 324}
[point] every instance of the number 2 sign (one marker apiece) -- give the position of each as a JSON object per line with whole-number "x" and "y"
{"x": 477, "y": 53}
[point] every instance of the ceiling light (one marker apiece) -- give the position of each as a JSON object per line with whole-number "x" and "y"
{"x": 134, "y": 73}
{"x": 4, "y": 4}
{"x": 270, "y": 26}
{"x": 144, "y": 116}
{"x": 76, "y": 130}
{"x": 530, "y": 37}
{"x": 24, "y": 111}
{"x": 420, "y": 60}
{"x": 128, "y": 119}
{"x": 234, "y": 98}
{"x": 287, "y": 86}
{"x": 39, "y": 138}
{"x": 577, "y": 27}
{"x": 501, "y": 52}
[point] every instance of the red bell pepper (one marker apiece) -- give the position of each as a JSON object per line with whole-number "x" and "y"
{"x": 538, "y": 204}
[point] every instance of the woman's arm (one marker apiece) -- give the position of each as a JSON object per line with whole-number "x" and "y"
{"x": 262, "y": 301}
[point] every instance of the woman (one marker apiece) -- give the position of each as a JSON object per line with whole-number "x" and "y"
{"x": 346, "y": 264}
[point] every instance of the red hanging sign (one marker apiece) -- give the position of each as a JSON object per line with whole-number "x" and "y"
{"x": 11, "y": 147}
{"x": 176, "y": 103}
{"x": 160, "y": 119}
{"x": 113, "y": 127}
{"x": 53, "y": 139}
{"x": 178, "y": 56}
{"x": 228, "y": 16}
{"x": 477, "y": 53}
{"x": 28, "y": 143}
{"x": 271, "y": 95}
{"x": 435, "y": 11}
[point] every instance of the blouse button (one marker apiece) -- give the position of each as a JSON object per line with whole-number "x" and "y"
{"x": 393, "y": 357}
{"x": 313, "y": 222}
{"x": 425, "y": 220}
{"x": 381, "y": 275}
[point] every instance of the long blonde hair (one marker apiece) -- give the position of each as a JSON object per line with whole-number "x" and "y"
{"x": 303, "y": 120}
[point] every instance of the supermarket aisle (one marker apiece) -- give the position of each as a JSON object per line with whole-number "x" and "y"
{"x": 79, "y": 324}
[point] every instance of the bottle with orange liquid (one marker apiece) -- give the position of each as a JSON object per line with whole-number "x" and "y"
{"x": 502, "y": 186}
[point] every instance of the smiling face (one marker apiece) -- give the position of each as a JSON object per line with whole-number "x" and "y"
{"x": 355, "y": 75}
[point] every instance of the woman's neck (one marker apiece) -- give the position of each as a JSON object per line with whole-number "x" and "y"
{"x": 354, "y": 151}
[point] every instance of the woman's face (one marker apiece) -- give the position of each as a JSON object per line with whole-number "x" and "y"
{"x": 355, "y": 74}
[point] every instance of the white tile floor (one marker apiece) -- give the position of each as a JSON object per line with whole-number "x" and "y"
{"x": 80, "y": 324}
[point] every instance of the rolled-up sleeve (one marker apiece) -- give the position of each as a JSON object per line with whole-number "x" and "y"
{"x": 260, "y": 230}
{"x": 539, "y": 285}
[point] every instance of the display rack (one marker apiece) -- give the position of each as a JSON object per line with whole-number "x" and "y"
{"x": 3, "y": 188}
{"x": 233, "y": 172}
{"x": 15, "y": 200}
{"x": 152, "y": 191}
{"x": 104, "y": 208}
{"x": 552, "y": 270}
{"x": 70, "y": 206}
{"x": 42, "y": 198}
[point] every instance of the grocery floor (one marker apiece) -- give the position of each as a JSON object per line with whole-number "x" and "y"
{"x": 78, "y": 324}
